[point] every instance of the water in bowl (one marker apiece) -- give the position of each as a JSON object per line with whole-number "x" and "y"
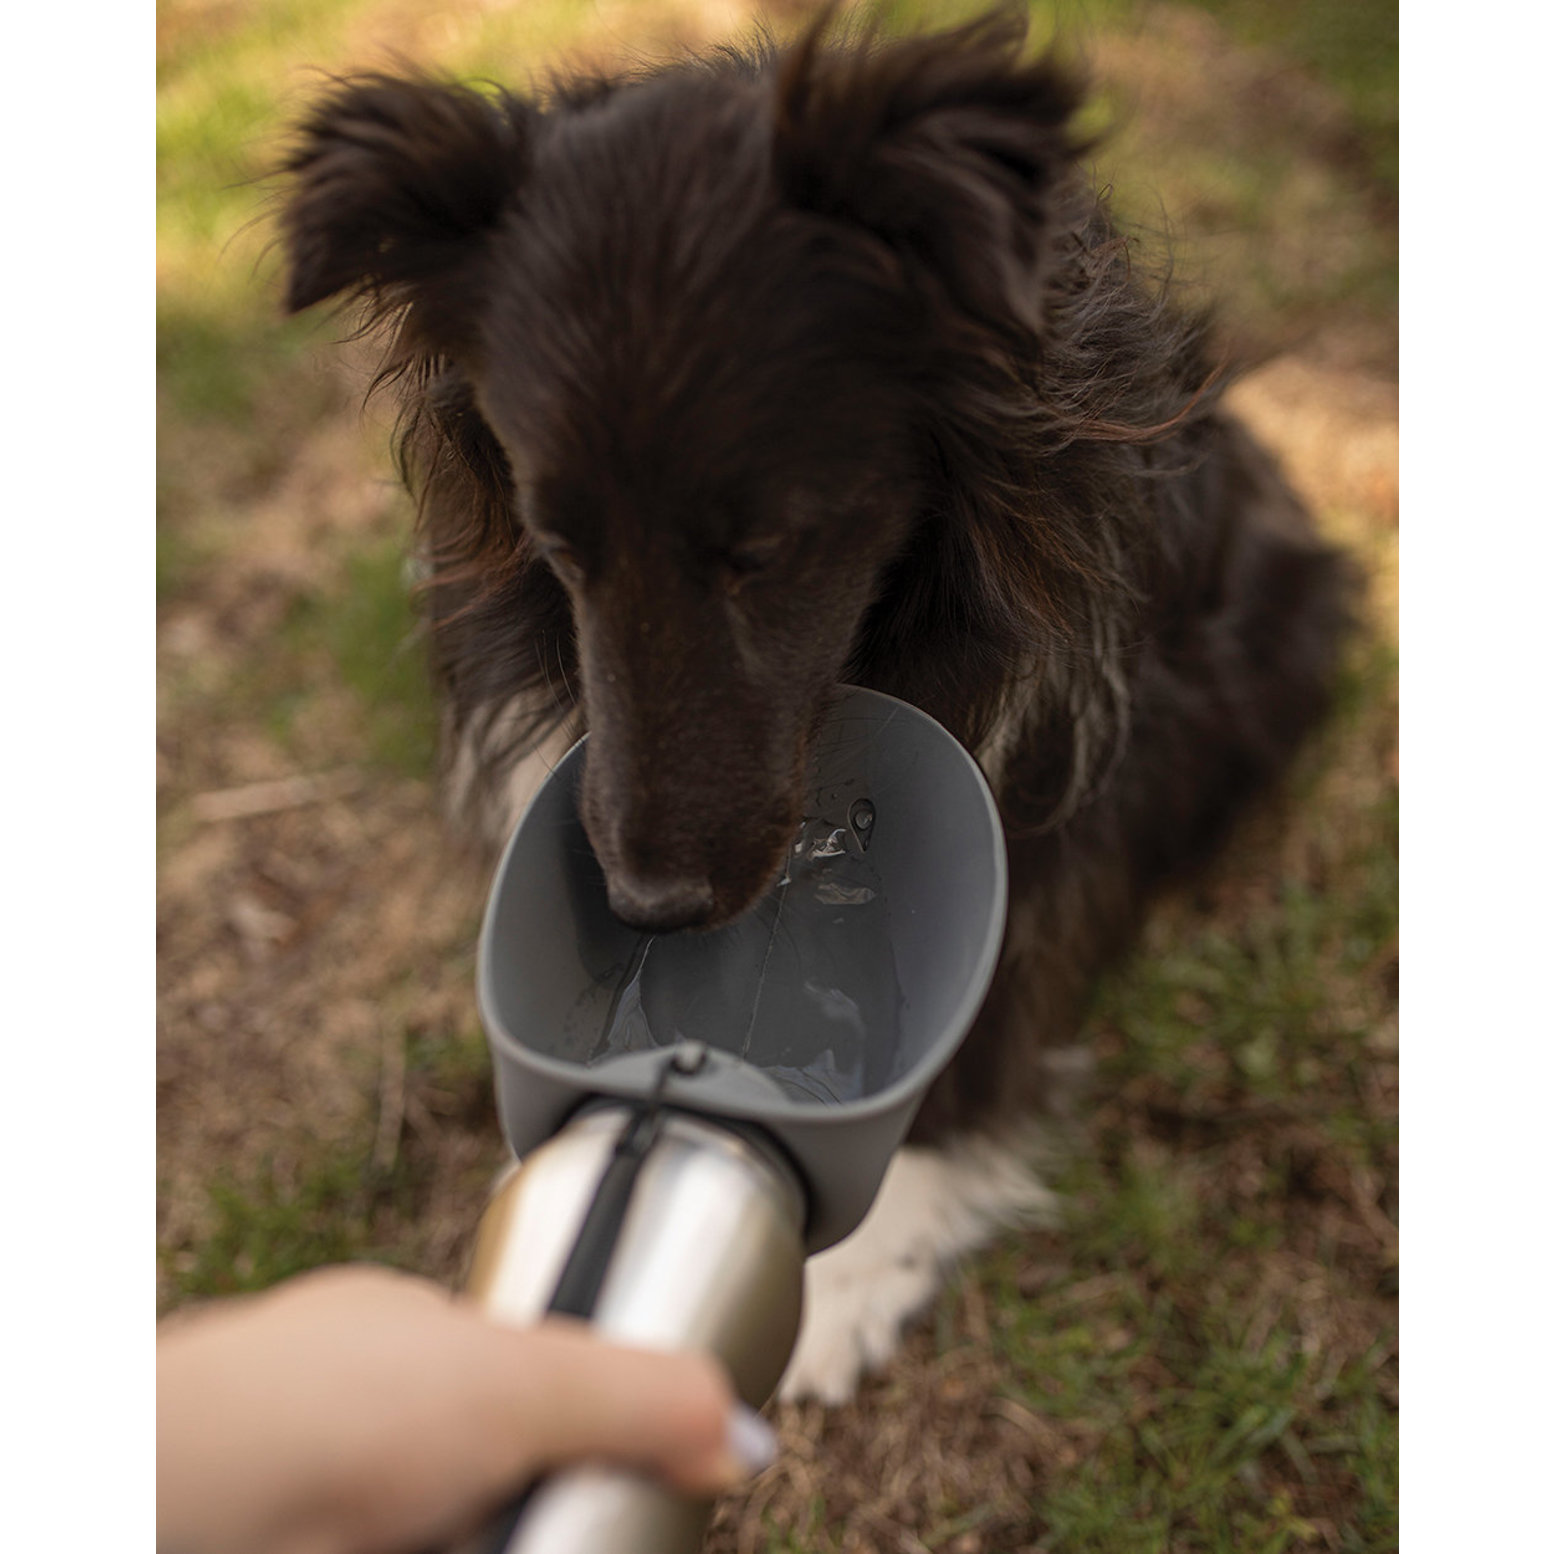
{"x": 804, "y": 986}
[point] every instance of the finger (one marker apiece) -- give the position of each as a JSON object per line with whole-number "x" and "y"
{"x": 674, "y": 1415}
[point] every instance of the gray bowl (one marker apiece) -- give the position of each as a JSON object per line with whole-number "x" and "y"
{"x": 825, "y": 1011}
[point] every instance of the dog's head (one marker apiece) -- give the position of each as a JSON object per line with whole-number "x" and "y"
{"x": 703, "y": 315}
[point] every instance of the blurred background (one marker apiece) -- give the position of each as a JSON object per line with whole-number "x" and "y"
{"x": 1204, "y": 1357}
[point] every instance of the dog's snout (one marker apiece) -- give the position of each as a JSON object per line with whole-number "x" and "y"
{"x": 657, "y": 906}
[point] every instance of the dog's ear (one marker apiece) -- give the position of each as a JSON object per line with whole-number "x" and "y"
{"x": 393, "y": 183}
{"x": 946, "y": 147}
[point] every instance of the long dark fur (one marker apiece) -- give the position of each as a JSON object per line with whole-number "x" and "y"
{"x": 779, "y": 369}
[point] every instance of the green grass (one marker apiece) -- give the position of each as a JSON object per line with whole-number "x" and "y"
{"x": 343, "y": 677}
{"x": 179, "y": 560}
{"x": 1200, "y": 1433}
{"x": 269, "y": 1230}
{"x": 1352, "y": 45}
{"x": 308, "y": 1207}
{"x": 360, "y": 636}
{"x": 454, "y": 1067}
{"x": 373, "y": 637}
{"x": 221, "y": 362}
{"x": 1237, "y": 1064}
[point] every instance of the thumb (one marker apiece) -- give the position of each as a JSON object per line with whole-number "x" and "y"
{"x": 674, "y": 1415}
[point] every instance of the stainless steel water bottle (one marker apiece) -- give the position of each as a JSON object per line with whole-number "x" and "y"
{"x": 705, "y": 1252}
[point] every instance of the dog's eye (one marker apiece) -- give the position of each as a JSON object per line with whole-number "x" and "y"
{"x": 753, "y": 557}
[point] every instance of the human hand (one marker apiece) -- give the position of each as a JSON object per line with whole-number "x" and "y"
{"x": 361, "y": 1411}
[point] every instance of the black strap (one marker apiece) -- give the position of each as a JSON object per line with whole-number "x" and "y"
{"x": 577, "y": 1288}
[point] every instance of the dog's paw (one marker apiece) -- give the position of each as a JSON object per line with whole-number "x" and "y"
{"x": 933, "y": 1207}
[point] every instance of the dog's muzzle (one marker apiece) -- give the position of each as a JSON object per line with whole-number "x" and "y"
{"x": 659, "y": 906}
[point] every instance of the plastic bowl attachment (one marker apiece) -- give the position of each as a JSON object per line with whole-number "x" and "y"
{"x": 860, "y": 1006}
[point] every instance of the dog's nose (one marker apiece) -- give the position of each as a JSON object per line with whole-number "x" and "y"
{"x": 657, "y": 906}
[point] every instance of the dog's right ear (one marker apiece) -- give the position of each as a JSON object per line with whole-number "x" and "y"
{"x": 394, "y": 183}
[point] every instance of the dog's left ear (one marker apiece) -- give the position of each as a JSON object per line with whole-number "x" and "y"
{"x": 946, "y": 147}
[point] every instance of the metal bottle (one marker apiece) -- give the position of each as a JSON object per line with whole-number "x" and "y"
{"x": 709, "y": 1255}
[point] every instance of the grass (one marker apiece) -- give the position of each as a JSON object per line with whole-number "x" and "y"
{"x": 1220, "y": 1398}
{"x": 218, "y": 363}
{"x": 347, "y": 1199}
{"x": 1203, "y": 1357}
{"x": 1353, "y": 48}
{"x": 1196, "y": 1339}
{"x": 342, "y": 674}
{"x": 268, "y": 1229}
{"x": 371, "y": 635}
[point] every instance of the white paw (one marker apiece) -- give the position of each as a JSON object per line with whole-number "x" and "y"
{"x": 933, "y": 1207}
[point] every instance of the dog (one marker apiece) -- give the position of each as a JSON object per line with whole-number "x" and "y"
{"x": 726, "y": 382}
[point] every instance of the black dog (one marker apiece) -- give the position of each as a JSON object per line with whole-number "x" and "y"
{"x": 735, "y": 380}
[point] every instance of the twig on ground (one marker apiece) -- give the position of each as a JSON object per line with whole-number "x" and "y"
{"x": 268, "y": 798}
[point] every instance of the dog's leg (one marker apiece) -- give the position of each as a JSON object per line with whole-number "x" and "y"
{"x": 934, "y": 1207}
